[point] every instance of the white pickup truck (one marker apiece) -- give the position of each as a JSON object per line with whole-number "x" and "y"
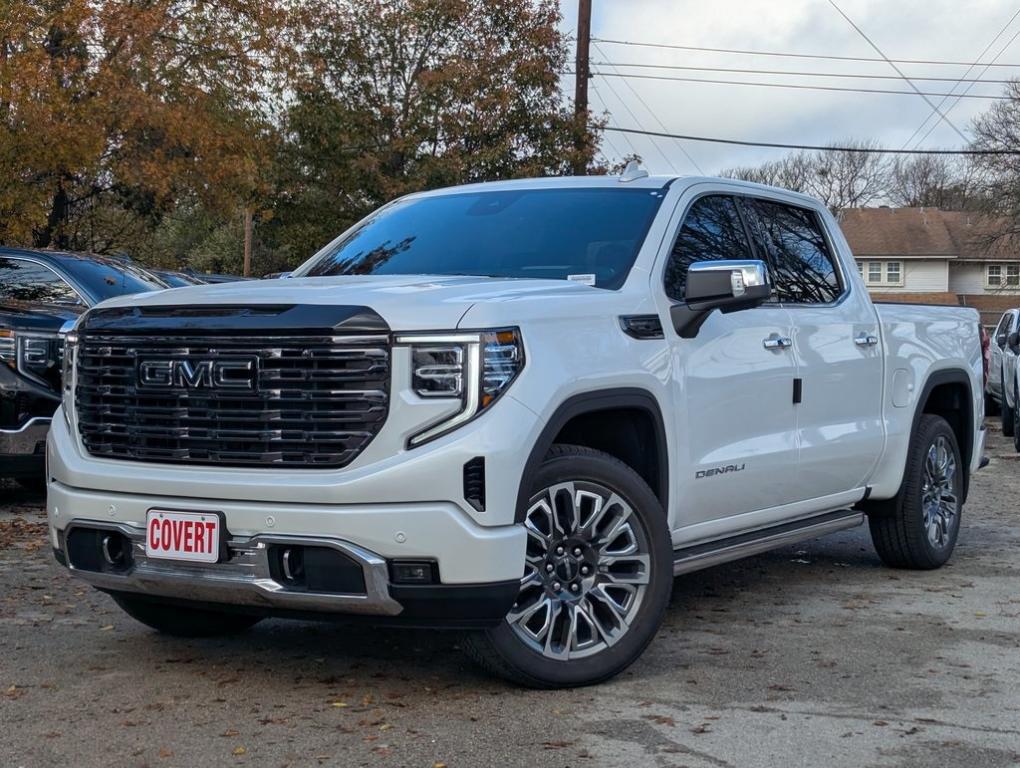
{"x": 518, "y": 409}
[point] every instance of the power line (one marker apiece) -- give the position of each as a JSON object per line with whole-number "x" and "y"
{"x": 738, "y": 70}
{"x": 828, "y": 57}
{"x": 656, "y": 118}
{"x": 638, "y": 122}
{"x": 799, "y": 86}
{"x": 899, "y": 72}
{"x": 981, "y": 55}
{"x": 966, "y": 90}
{"x": 626, "y": 138}
{"x": 819, "y": 147}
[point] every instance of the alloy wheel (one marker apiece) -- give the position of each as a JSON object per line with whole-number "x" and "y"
{"x": 586, "y": 574}
{"x": 940, "y": 504}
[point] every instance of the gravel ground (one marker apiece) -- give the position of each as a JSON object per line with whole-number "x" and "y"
{"x": 810, "y": 655}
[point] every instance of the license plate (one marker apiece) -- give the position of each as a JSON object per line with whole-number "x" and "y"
{"x": 193, "y": 536}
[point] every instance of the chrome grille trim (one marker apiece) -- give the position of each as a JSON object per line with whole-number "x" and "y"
{"x": 318, "y": 400}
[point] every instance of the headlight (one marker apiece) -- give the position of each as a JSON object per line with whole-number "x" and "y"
{"x": 473, "y": 367}
{"x": 70, "y": 355}
{"x": 35, "y": 356}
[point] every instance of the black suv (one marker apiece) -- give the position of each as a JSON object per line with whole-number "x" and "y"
{"x": 39, "y": 292}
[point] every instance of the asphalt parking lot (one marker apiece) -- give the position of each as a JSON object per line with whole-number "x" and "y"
{"x": 812, "y": 655}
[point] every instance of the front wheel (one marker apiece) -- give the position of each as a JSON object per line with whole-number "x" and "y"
{"x": 1016, "y": 419}
{"x": 1007, "y": 413}
{"x": 991, "y": 406}
{"x": 598, "y": 576}
{"x": 183, "y": 621}
{"x": 918, "y": 529}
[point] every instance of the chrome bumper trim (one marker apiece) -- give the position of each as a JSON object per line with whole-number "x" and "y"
{"x": 24, "y": 439}
{"x": 242, "y": 580}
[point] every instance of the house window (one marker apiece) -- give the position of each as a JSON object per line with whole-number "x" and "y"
{"x": 881, "y": 272}
{"x": 1002, "y": 275}
{"x": 893, "y": 275}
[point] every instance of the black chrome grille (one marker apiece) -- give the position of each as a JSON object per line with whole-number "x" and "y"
{"x": 316, "y": 401}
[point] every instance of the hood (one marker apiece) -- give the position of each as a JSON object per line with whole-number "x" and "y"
{"x": 405, "y": 302}
{"x": 30, "y": 316}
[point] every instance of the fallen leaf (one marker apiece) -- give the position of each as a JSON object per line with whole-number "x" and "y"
{"x": 239, "y": 751}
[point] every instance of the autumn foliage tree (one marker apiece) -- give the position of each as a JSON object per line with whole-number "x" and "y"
{"x": 395, "y": 96}
{"x": 151, "y": 126}
{"x": 111, "y": 112}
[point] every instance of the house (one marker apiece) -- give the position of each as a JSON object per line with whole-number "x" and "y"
{"x": 935, "y": 257}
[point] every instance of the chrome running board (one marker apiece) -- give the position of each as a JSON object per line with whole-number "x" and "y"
{"x": 707, "y": 554}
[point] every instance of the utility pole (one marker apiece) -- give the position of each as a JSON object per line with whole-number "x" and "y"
{"x": 581, "y": 81}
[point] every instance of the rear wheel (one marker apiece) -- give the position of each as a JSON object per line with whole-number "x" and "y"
{"x": 183, "y": 621}
{"x": 597, "y": 579}
{"x": 919, "y": 528}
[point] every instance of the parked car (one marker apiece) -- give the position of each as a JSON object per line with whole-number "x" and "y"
{"x": 516, "y": 408}
{"x": 39, "y": 292}
{"x": 1002, "y": 378}
{"x": 174, "y": 279}
{"x": 209, "y": 277}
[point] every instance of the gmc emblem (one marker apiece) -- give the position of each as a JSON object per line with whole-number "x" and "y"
{"x": 216, "y": 373}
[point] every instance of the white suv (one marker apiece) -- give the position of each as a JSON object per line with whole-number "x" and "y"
{"x": 516, "y": 408}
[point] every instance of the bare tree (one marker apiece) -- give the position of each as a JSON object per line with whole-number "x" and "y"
{"x": 840, "y": 178}
{"x": 999, "y": 175}
{"x": 790, "y": 172}
{"x": 849, "y": 179}
{"x": 932, "y": 181}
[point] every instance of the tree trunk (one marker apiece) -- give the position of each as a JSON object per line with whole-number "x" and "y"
{"x": 247, "y": 240}
{"x": 55, "y": 232}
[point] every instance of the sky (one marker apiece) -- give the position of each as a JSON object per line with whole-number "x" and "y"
{"x": 948, "y": 30}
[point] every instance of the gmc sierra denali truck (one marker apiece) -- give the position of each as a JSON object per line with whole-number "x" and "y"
{"x": 518, "y": 409}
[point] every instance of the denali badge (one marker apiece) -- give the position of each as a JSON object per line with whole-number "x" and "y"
{"x": 718, "y": 471}
{"x": 218, "y": 373}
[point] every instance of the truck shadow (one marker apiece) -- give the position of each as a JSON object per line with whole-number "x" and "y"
{"x": 325, "y": 652}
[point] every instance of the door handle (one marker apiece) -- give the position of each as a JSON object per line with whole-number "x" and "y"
{"x": 777, "y": 342}
{"x": 866, "y": 340}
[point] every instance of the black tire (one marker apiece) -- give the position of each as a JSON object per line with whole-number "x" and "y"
{"x": 34, "y": 484}
{"x": 183, "y": 621}
{"x": 899, "y": 530}
{"x": 991, "y": 405}
{"x": 1008, "y": 423}
{"x": 503, "y": 651}
{"x": 1016, "y": 419}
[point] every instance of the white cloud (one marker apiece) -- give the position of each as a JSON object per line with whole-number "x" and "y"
{"x": 922, "y": 29}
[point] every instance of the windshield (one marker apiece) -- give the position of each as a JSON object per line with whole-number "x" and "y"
{"x": 105, "y": 279}
{"x": 591, "y": 235}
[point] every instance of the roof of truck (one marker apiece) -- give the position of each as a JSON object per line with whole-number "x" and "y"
{"x": 614, "y": 181}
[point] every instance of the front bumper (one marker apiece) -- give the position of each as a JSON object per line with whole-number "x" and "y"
{"x": 23, "y": 449}
{"x": 479, "y": 568}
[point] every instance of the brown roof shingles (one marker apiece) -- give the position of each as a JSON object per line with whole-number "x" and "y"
{"x": 919, "y": 233}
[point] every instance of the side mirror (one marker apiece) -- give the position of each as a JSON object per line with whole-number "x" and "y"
{"x": 1000, "y": 340}
{"x": 1013, "y": 340}
{"x": 728, "y": 286}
